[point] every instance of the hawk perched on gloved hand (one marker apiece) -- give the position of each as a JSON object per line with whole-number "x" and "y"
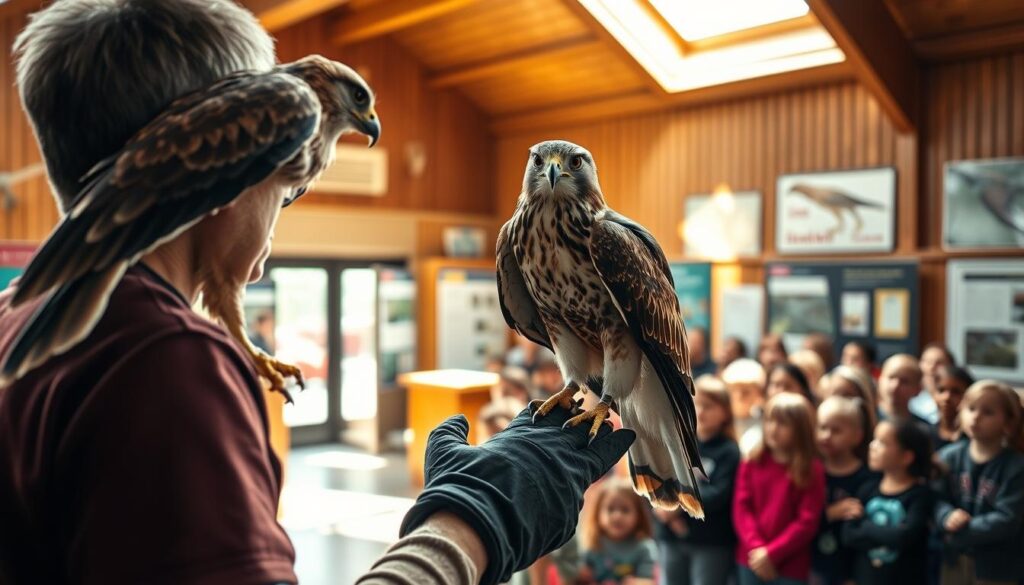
{"x": 595, "y": 287}
{"x": 204, "y": 151}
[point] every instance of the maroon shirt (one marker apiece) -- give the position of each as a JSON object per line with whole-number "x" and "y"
{"x": 139, "y": 456}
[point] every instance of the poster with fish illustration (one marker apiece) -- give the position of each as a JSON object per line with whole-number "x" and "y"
{"x": 983, "y": 204}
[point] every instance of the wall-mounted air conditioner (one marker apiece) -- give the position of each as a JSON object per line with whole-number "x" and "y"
{"x": 357, "y": 170}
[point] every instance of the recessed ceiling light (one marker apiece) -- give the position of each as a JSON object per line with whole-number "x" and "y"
{"x": 700, "y": 19}
{"x": 677, "y": 68}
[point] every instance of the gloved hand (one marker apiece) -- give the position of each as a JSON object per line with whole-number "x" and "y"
{"x": 522, "y": 490}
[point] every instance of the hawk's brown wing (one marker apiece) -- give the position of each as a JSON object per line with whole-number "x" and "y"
{"x": 196, "y": 157}
{"x": 636, "y": 273}
{"x": 516, "y": 303}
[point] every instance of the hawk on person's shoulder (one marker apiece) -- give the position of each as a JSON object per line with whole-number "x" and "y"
{"x": 251, "y": 130}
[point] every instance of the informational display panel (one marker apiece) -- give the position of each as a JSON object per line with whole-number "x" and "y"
{"x": 985, "y": 317}
{"x": 872, "y": 301}
{"x": 470, "y": 326}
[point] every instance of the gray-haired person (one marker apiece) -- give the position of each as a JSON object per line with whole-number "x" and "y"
{"x": 141, "y": 454}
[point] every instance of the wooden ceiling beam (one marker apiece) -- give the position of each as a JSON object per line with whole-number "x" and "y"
{"x": 554, "y": 51}
{"x": 275, "y": 15}
{"x": 972, "y": 43}
{"x": 878, "y": 52}
{"x": 391, "y": 16}
{"x": 612, "y": 43}
{"x": 642, "y": 101}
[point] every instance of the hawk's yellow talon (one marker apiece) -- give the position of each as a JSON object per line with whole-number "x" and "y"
{"x": 598, "y": 414}
{"x": 563, "y": 398}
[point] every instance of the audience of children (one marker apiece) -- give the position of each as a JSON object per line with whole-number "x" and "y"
{"x": 786, "y": 377}
{"x": 950, "y": 386}
{"x": 700, "y": 358}
{"x": 813, "y": 368}
{"x": 616, "y": 537}
{"x": 981, "y": 493}
{"x": 898, "y": 383}
{"x": 934, "y": 356}
{"x": 733, "y": 348}
{"x": 821, "y": 344}
{"x": 860, "y": 490}
{"x": 889, "y": 530}
{"x": 852, "y": 383}
{"x": 780, "y": 493}
{"x": 745, "y": 380}
{"x": 845, "y": 428}
{"x": 771, "y": 351}
{"x": 859, "y": 354}
{"x": 693, "y": 552}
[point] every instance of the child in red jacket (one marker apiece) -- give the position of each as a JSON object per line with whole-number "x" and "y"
{"x": 780, "y": 493}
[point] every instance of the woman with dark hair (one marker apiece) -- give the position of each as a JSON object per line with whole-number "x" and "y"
{"x": 785, "y": 377}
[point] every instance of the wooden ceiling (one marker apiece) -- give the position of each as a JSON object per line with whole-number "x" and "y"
{"x": 950, "y": 29}
{"x": 515, "y": 57}
{"x": 527, "y": 63}
{"x": 921, "y": 19}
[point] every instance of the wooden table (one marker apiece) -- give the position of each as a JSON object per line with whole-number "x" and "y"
{"x": 433, "y": 397}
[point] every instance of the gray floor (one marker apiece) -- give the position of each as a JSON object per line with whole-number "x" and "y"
{"x": 342, "y": 508}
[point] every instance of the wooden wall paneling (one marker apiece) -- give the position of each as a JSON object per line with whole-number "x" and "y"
{"x": 1016, "y": 129}
{"x": 975, "y": 110}
{"x": 449, "y": 128}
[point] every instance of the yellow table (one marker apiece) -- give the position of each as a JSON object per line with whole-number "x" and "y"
{"x": 433, "y": 397}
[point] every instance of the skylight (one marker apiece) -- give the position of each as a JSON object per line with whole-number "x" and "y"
{"x": 695, "y": 20}
{"x": 678, "y": 66}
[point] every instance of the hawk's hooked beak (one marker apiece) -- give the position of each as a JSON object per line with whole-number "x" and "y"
{"x": 553, "y": 172}
{"x": 368, "y": 124}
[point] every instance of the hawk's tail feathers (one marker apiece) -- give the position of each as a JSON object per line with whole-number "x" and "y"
{"x": 60, "y": 322}
{"x": 662, "y": 463}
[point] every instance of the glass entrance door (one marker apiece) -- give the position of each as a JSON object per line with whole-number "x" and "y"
{"x": 289, "y": 313}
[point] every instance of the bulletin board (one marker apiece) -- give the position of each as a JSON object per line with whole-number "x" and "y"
{"x": 877, "y": 302}
{"x": 985, "y": 317}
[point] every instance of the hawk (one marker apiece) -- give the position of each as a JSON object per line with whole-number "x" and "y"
{"x": 595, "y": 287}
{"x": 199, "y": 155}
{"x": 836, "y": 201}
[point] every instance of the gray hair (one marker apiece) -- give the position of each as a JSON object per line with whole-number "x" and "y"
{"x": 92, "y": 73}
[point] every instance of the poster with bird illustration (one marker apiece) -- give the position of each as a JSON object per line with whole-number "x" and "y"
{"x": 984, "y": 204}
{"x": 836, "y": 211}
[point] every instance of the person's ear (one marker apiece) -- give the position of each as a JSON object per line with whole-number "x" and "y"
{"x": 907, "y": 458}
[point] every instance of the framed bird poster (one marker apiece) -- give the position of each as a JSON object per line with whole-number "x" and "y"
{"x": 983, "y": 204}
{"x": 836, "y": 212}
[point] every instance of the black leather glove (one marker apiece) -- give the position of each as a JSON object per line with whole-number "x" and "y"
{"x": 521, "y": 491}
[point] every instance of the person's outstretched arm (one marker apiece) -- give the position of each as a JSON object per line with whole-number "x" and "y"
{"x": 491, "y": 510}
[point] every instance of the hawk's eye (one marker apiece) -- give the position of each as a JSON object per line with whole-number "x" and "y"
{"x": 576, "y": 163}
{"x": 360, "y": 96}
{"x": 538, "y": 161}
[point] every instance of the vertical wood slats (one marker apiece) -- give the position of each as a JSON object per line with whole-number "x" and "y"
{"x": 453, "y": 131}
{"x": 745, "y": 144}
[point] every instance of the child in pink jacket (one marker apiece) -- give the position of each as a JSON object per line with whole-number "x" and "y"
{"x": 780, "y": 494}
